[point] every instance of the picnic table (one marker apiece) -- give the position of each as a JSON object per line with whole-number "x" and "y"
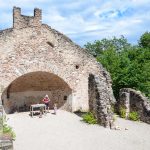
{"x": 40, "y": 106}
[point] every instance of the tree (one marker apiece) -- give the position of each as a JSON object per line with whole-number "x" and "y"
{"x": 129, "y": 66}
{"x": 145, "y": 40}
{"x": 97, "y": 48}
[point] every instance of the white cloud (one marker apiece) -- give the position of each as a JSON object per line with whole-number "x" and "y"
{"x": 87, "y": 20}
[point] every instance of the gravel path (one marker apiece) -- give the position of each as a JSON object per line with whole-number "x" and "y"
{"x": 65, "y": 131}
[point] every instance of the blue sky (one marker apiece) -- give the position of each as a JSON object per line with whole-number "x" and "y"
{"x": 86, "y": 20}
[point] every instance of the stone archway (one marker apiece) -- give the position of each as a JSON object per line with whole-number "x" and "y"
{"x": 30, "y": 88}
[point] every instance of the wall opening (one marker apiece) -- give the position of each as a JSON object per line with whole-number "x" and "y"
{"x": 77, "y": 66}
{"x": 32, "y": 87}
{"x": 50, "y": 44}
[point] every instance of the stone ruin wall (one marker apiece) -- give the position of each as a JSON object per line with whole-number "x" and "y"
{"x": 99, "y": 102}
{"x": 20, "y": 49}
{"x": 30, "y": 47}
{"x": 133, "y": 100}
{"x": 21, "y": 21}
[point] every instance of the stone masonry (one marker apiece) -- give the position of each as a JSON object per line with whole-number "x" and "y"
{"x": 36, "y": 59}
{"x": 133, "y": 100}
{"x": 99, "y": 102}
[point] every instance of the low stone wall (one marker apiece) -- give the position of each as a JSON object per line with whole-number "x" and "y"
{"x": 133, "y": 100}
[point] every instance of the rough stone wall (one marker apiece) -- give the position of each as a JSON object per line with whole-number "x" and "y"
{"x": 21, "y": 99}
{"x": 133, "y": 100}
{"x": 99, "y": 102}
{"x": 29, "y": 48}
{"x": 21, "y": 21}
{"x": 1, "y": 121}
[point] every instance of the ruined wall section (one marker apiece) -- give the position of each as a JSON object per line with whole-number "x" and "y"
{"x": 133, "y": 100}
{"x": 21, "y": 21}
{"x": 98, "y": 104}
{"x": 86, "y": 62}
{"x": 44, "y": 49}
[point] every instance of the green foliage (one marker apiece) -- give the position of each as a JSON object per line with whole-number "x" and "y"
{"x": 122, "y": 112}
{"x": 145, "y": 40}
{"x": 89, "y": 118}
{"x": 98, "y": 47}
{"x": 133, "y": 116}
{"x": 129, "y": 66}
{"x": 7, "y": 130}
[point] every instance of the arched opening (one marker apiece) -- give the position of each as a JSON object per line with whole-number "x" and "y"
{"x": 32, "y": 87}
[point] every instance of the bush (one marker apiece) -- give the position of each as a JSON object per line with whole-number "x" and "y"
{"x": 7, "y": 131}
{"x": 122, "y": 112}
{"x": 89, "y": 118}
{"x": 134, "y": 116}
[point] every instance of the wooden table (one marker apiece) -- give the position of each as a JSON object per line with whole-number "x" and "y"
{"x": 40, "y": 106}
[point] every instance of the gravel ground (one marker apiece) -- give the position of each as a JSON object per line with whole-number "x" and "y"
{"x": 66, "y": 131}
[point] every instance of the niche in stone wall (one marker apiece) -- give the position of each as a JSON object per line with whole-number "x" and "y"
{"x": 50, "y": 44}
{"x": 31, "y": 89}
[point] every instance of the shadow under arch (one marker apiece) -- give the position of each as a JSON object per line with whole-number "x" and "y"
{"x": 30, "y": 88}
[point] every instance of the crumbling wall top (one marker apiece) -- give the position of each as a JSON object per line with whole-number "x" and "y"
{"x": 22, "y": 21}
